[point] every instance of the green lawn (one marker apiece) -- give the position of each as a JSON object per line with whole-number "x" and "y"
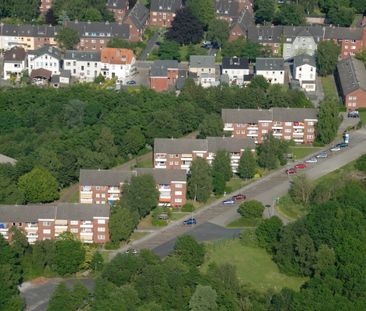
{"x": 302, "y": 152}
{"x": 254, "y": 266}
{"x": 145, "y": 164}
{"x": 362, "y": 114}
{"x": 178, "y": 215}
{"x": 329, "y": 86}
{"x": 337, "y": 174}
{"x": 289, "y": 208}
{"x": 234, "y": 184}
{"x": 243, "y": 222}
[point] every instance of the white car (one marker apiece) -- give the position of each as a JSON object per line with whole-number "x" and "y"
{"x": 335, "y": 148}
{"x": 312, "y": 160}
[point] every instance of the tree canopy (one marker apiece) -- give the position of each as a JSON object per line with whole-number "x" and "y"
{"x": 67, "y": 38}
{"x": 327, "y": 57}
{"x": 199, "y": 180}
{"x": 328, "y": 121}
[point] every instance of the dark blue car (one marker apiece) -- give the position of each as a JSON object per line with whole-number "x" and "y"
{"x": 190, "y": 221}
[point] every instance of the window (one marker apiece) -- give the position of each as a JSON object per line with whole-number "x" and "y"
{"x": 309, "y": 136}
{"x": 311, "y": 123}
{"x": 46, "y": 223}
{"x": 178, "y": 186}
{"x": 97, "y": 195}
{"x": 74, "y": 222}
{"x": 178, "y": 200}
{"x": 288, "y": 123}
{"x": 101, "y": 229}
{"x": 97, "y": 187}
{"x": 101, "y": 221}
{"x": 264, "y": 131}
{"x": 103, "y": 195}
{"x": 46, "y": 231}
{"x": 74, "y": 230}
{"x": 287, "y": 130}
{"x": 101, "y": 237}
{"x": 178, "y": 192}
{"x": 176, "y": 163}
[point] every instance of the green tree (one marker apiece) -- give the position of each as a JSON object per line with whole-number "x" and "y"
{"x": 212, "y": 125}
{"x": 93, "y": 15}
{"x": 97, "y": 262}
{"x": 189, "y": 250}
{"x": 218, "y": 183}
{"x": 290, "y": 14}
{"x": 259, "y": 82}
{"x": 271, "y": 152}
{"x": 79, "y": 296}
{"x": 341, "y": 15}
{"x": 133, "y": 141}
{"x": 268, "y": 230}
{"x": 60, "y": 299}
{"x": 325, "y": 259}
{"x": 203, "y": 299}
{"x": 39, "y": 186}
{"x": 247, "y": 165}
{"x": 327, "y": 57}
{"x": 140, "y": 195}
{"x": 69, "y": 255}
{"x": 251, "y": 209}
{"x": 122, "y": 222}
{"x": 203, "y": 9}
{"x": 218, "y": 31}
{"x": 19, "y": 241}
{"x": 328, "y": 121}
{"x": 222, "y": 165}
{"x": 301, "y": 189}
{"x": 361, "y": 163}
{"x": 264, "y": 10}
{"x": 169, "y": 50}
{"x": 67, "y": 38}
{"x": 200, "y": 180}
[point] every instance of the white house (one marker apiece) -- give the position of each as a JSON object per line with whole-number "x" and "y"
{"x": 235, "y": 68}
{"x": 271, "y": 68}
{"x": 84, "y": 66}
{"x": 117, "y": 63}
{"x": 14, "y": 63}
{"x": 304, "y": 71}
{"x": 47, "y": 58}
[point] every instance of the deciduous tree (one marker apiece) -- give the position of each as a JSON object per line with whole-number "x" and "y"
{"x": 247, "y": 165}
{"x": 200, "y": 180}
{"x": 189, "y": 250}
{"x": 203, "y": 299}
{"x": 218, "y": 32}
{"x": 328, "y": 121}
{"x": 268, "y": 230}
{"x": 67, "y": 38}
{"x": 212, "y": 125}
{"x": 327, "y": 57}
{"x": 222, "y": 165}
{"x": 204, "y": 10}
{"x": 290, "y": 14}
{"x": 169, "y": 50}
{"x": 251, "y": 209}
{"x": 264, "y": 10}
{"x": 301, "y": 189}
{"x": 122, "y": 222}
{"x": 69, "y": 255}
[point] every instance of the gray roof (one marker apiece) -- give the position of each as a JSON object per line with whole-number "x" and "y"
{"x": 229, "y": 144}
{"x": 269, "y": 64}
{"x": 304, "y": 59}
{"x": 340, "y": 33}
{"x": 4, "y": 159}
{"x": 235, "y": 63}
{"x": 244, "y": 116}
{"x": 104, "y": 177}
{"x": 163, "y": 176}
{"x": 176, "y": 146}
{"x": 165, "y": 5}
{"x": 47, "y": 49}
{"x": 182, "y": 76}
{"x": 15, "y": 54}
{"x": 245, "y": 20}
{"x": 139, "y": 15}
{"x": 291, "y": 32}
{"x": 201, "y": 61}
{"x": 265, "y": 34}
{"x": 61, "y": 211}
{"x": 351, "y": 74}
{"x": 82, "y": 55}
{"x": 28, "y": 30}
{"x": 227, "y": 8}
{"x": 160, "y": 67}
{"x": 117, "y": 4}
{"x": 100, "y": 30}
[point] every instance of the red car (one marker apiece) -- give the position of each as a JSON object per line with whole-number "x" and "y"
{"x": 239, "y": 197}
{"x": 301, "y": 165}
{"x": 290, "y": 171}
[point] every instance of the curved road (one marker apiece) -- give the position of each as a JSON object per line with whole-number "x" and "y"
{"x": 266, "y": 190}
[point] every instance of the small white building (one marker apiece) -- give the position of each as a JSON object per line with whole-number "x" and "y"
{"x": 14, "y": 63}
{"x": 304, "y": 71}
{"x": 271, "y": 68}
{"x": 235, "y": 68}
{"x": 118, "y": 63}
{"x": 46, "y": 57}
{"x": 84, "y": 66}
{"x": 207, "y": 80}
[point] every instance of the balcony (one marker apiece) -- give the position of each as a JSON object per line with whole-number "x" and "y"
{"x": 277, "y": 134}
{"x": 158, "y": 159}
{"x": 252, "y": 134}
{"x": 298, "y": 126}
{"x": 114, "y": 190}
{"x": 298, "y": 133}
{"x": 158, "y": 165}
{"x": 252, "y": 127}
{"x": 277, "y": 126}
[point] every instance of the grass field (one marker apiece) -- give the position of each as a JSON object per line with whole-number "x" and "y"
{"x": 329, "y": 87}
{"x": 178, "y": 215}
{"x": 243, "y": 222}
{"x": 234, "y": 184}
{"x": 145, "y": 164}
{"x": 302, "y": 152}
{"x": 362, "y": 114}
{"x": 289, "y": 208}
{"x": 254, "y": 266}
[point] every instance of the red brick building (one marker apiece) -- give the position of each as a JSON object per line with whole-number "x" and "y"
{"x": 175, "y": 154}
{"x": 137, "y": 19}
{"x": 227, "y": 10}
{"x": 119, "y": 9}
{"x": 297, "y": 124}
{"x": 162, "y": 12}
{"x": 240, "y": 25}
{"x": 351, "y": 81}
{"x": 163, "y": 75}
{"x": 87, "y": 222}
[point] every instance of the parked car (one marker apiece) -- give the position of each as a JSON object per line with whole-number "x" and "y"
{"x": 335, "y": 148}
{"x": 343, "y": 145}
{"x": 228, "y": 202}
{"x": 353, "y": 114}
{"x": 312, "y": 160}
{"x": 239, "y": 197}
{"x": 190, "y": 221}
{"x": 322, "y": 155}
{"x": 300, "y": 165}
{"x": 290, "y": 171}
{"x": 131, "y": 251}
{"x": 131, "y": 82}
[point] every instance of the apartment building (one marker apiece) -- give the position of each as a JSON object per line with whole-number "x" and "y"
{"x": 240, "y": 25}
{"x": 117, "y": 63}
{"x": 227, "y": 10}
{"x": 304, "y": 71}
{"x": 270, "y": 36}
{"x": 84, "y": 66}
{"x": 88, "y": 222}
{"x": 163, "y": 75}
{"x": 102, "y": 186}
{"x": 179, "y": 153}
{"x": 172, "y": 185}
{"x": 351, "y": 82}
{"x": 296, "y": 124}
{"x": 119, "y": 9}
{"x": 236, "y": 68}
{"x": 47, "y": 58}
{"x": 272, "y": 69}
{"x": 14, "y": 63}
{"x": 137, "y": 19}
{"x": 162, "y": 12}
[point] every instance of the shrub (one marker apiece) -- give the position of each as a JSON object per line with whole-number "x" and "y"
{"x": 187, "y": 208}
{"x": 251, "y": 209}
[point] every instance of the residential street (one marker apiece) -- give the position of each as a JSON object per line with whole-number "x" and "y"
{"x": 150, "y": 45}
{"x": 266, "y": 190}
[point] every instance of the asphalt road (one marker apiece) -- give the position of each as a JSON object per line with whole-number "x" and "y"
{"x": 150, "y": 45}
{"x": 266, "y": 190}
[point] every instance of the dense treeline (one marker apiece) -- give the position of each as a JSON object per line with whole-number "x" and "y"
{"x": 63, "y": 130}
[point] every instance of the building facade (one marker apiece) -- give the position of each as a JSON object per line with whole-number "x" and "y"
{"x": 84, "y": 66}
{"x": 163, "y": 75}
{"x": 119, "y": 9}
{"x": 235, "y": 68}
{"x": 269, "y": 36}
{"x": 88, "y": 222}
{"x": 137, "y": 19}
{"x": 296, "y": 124}
{"x": 272, "y": 69}
{"x": 162, "y": 12}
{"x": 47, "y": 58}
{"x": 14, "y": 63}
{"x": 304, "y": 71}
{"x": 117, "y": 63}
